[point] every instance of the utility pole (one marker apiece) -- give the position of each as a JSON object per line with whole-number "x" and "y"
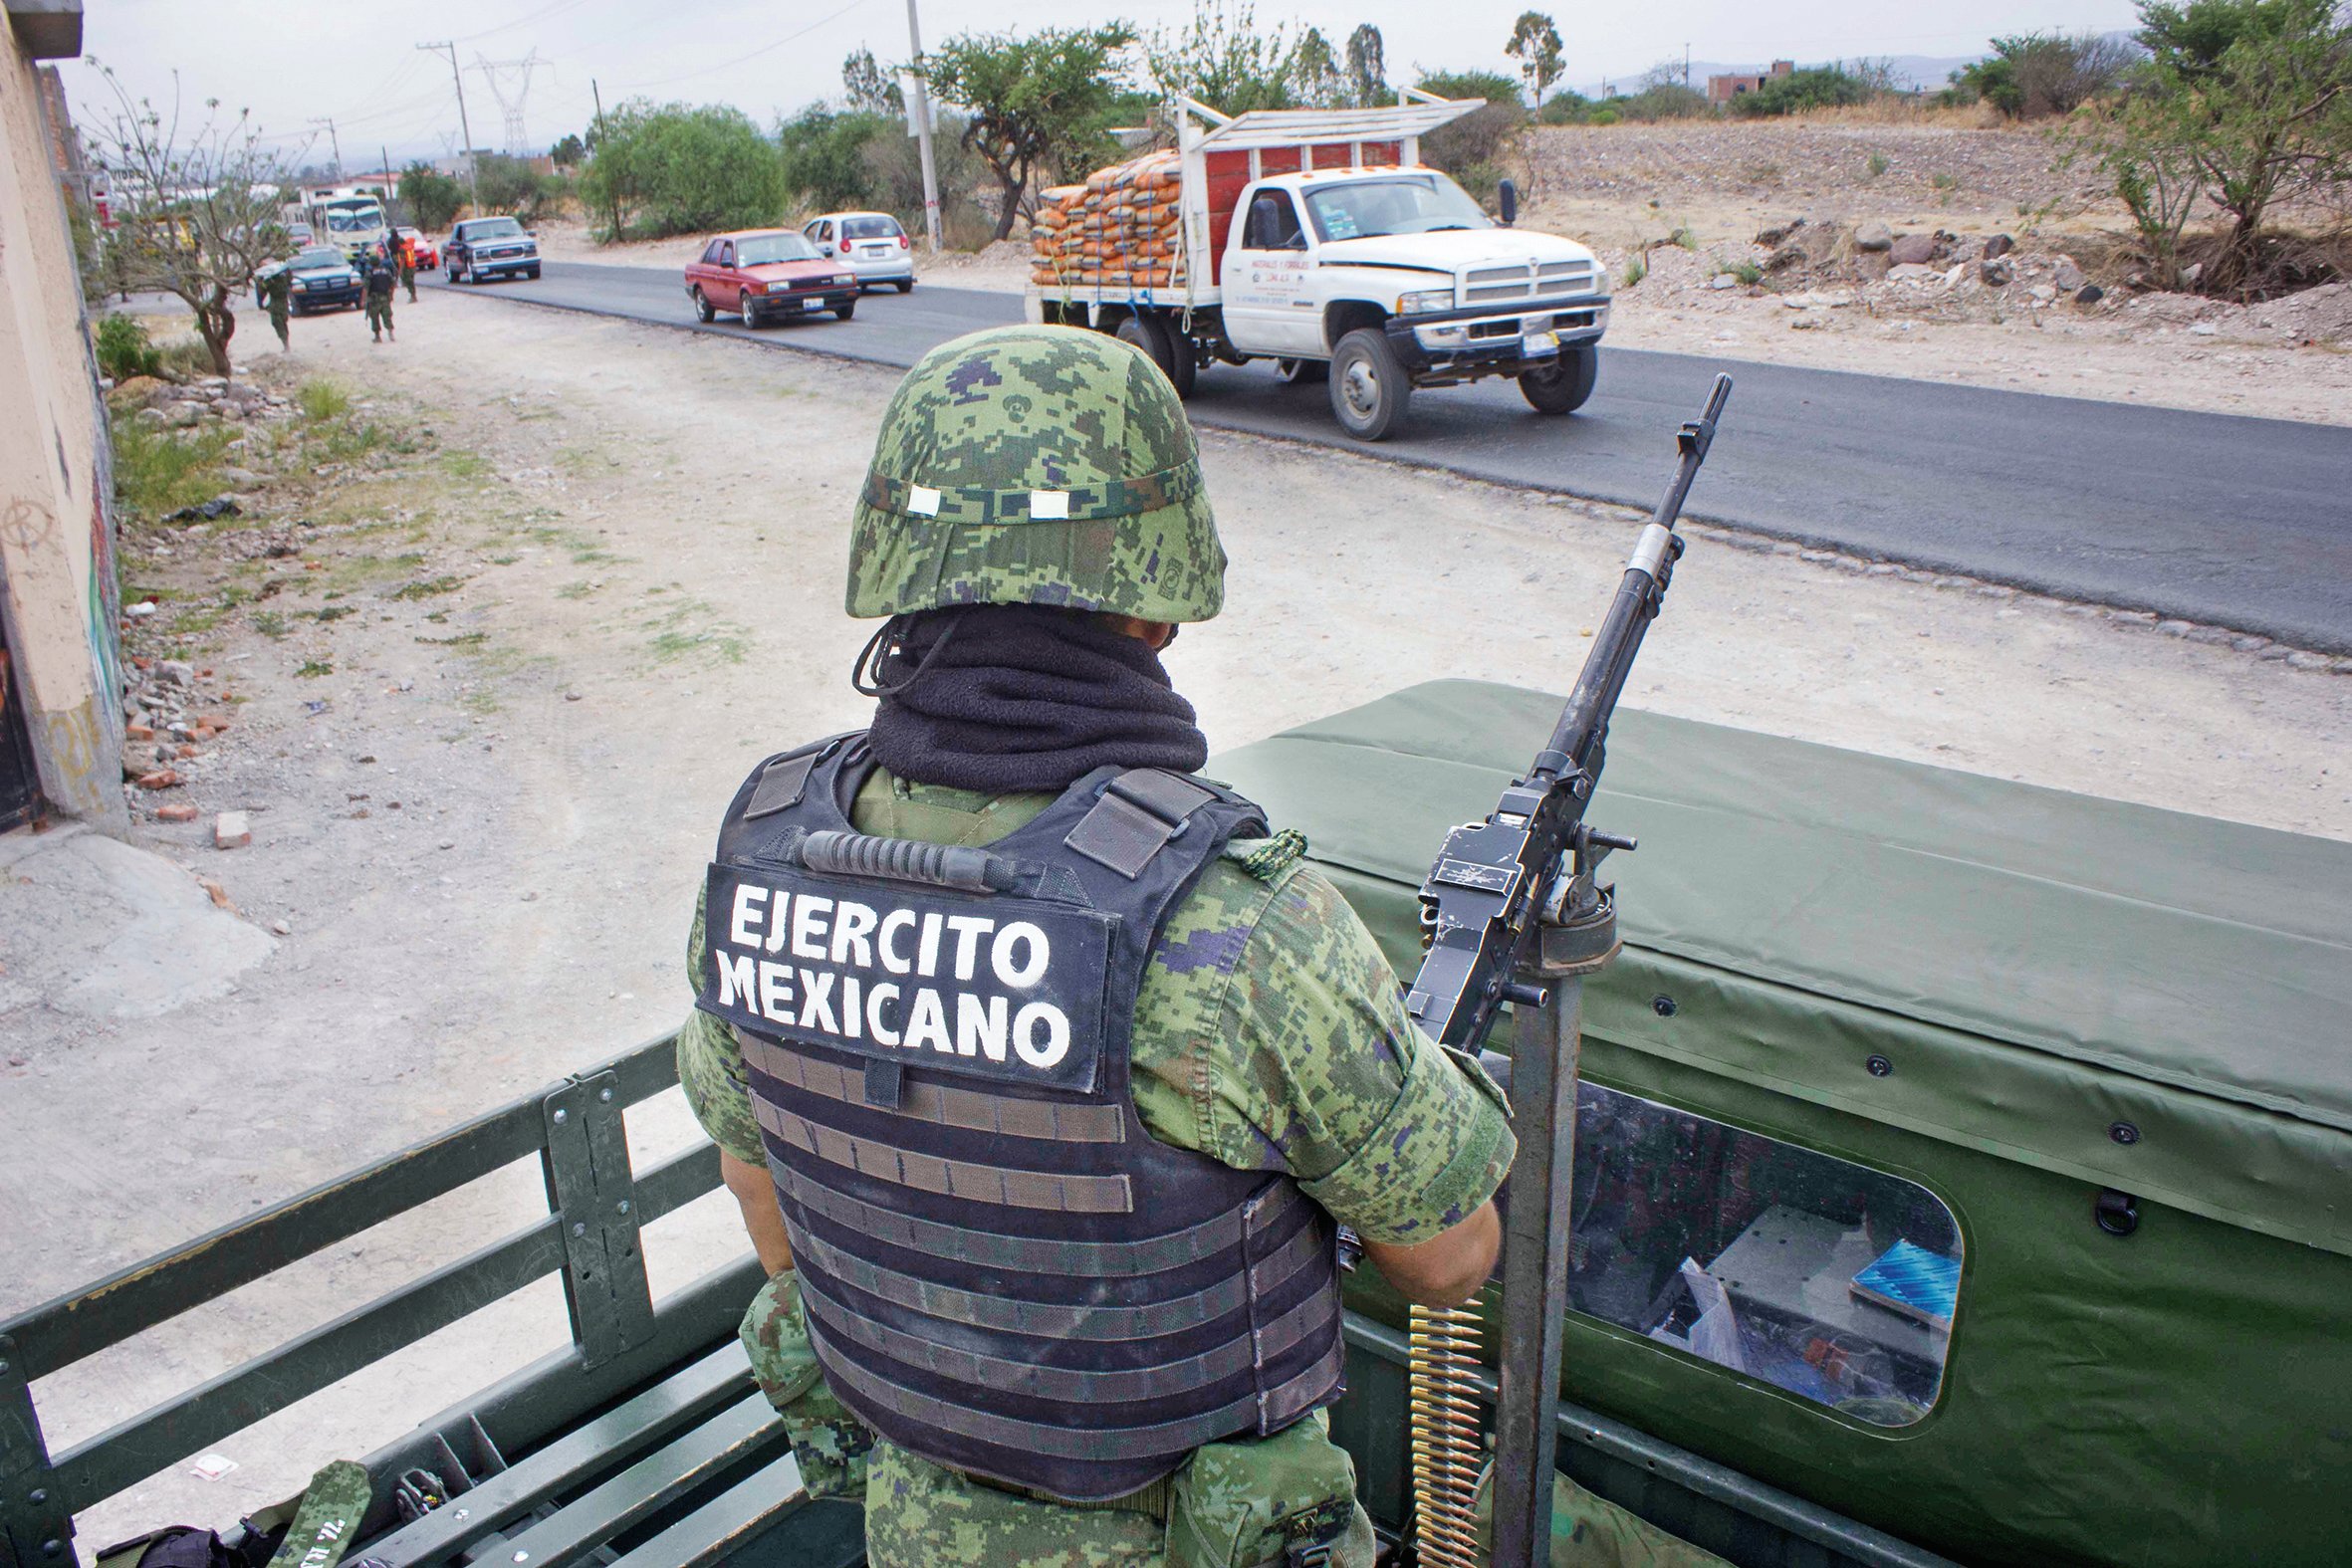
{"x": 919, "y": 105}
{"x": 473, "y": 172}
{"x": 598, "y": 95}
{"x": 335, "y": 145}
{"x": 1686, "y": 68}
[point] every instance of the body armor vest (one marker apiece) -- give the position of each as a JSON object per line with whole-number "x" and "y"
{"x": 1001, "y": 1269}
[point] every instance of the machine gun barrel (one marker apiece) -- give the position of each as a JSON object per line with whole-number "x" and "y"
{"x": 1494, "y": 880}
{"x": 1584, "y": 721}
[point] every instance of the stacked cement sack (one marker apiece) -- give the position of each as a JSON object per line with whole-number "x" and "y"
{"x": 1122, "y": 228}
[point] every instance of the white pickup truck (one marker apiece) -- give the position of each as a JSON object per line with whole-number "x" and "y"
{"x": 1316, "y": 239}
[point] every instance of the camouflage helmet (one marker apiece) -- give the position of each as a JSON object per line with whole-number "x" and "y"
{"x": 1037, "y": 465}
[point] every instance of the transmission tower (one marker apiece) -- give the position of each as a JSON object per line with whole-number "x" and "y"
{"x": 510, "y": 84}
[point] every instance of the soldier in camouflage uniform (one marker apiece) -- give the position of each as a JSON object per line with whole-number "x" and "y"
{"x": 1269, "y": 1033}
{"x": 278, "y": 299}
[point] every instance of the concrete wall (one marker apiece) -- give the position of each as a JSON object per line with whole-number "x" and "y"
{"x": 59, "y": 597}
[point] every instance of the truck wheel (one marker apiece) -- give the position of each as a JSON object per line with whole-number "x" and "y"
{"x": 1369, "y": 388}
{"x": 703, "y": 311}
{"x": 1301, "y": 373}
{"x": 1561, "y": 389}
{"x": 1154, "y": 338}
{"x": 906, "y": 285}
{"x": 842, "y": 313}
{"x": 748, "y": 311}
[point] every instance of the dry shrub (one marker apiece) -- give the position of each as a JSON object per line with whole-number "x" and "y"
{"x": 1891, "y": 110}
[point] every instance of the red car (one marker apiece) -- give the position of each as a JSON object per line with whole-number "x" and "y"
{"x": 429, "y": 255}
{"x": 757, "y": 274}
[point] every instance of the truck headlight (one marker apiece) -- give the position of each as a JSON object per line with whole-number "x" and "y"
{"x": 1425, "y": 301}
{"x": 297, "y": 284}
{"x": 844, "y": 283}
{"x": 780, "y": 286}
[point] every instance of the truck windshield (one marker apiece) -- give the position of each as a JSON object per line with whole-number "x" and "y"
{"x": 1408, "y": 204}
{"x": 493, "y": 229}
{"x": 353, "y": 220}
{"x": 761, "y": 249}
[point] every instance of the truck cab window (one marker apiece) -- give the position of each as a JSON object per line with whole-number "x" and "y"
{"x": 1823, "y": 1277}
{"x": 1272, "y": 224}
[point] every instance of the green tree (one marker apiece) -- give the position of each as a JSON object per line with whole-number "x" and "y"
{"x": 675, "y": 170}
{"x": 1225, "y": 58}
{"x": 1534, "y": 44}
{"x": 432, "y": 197}
{"x": 2247, "y": 101}
{"x": 511, "y": 184}
{"x": 1036, "y": 103}
{"x": 570, "y": 153}
{"x": 1470, "y": 148}
{"x": 2037, "y": 73}
{"x": 1816, "y": 87}
{"x": 1316, "y": 80}
{"x": 202, "y": 212}
{"x": 1367, "y": 66}
{"x": 866, "y": 87}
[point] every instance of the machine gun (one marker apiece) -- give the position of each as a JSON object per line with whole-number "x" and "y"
{"x": 1511, "y": 911}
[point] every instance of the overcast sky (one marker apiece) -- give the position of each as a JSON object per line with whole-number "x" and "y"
{"x": 360, "y": 62}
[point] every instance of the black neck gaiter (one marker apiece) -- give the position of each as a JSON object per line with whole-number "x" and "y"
{"x": 1006, "y": 696}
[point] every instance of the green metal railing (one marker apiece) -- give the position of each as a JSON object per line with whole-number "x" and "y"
{"x": 596, "y": 1207}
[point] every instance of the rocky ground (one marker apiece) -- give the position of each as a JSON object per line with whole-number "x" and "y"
{"x": 503, "y": 616}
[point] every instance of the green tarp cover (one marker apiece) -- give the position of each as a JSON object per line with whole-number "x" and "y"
{"x": 2040, "y": 966}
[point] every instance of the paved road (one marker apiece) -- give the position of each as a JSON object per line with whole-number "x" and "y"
{"x": 2241, "y": 523}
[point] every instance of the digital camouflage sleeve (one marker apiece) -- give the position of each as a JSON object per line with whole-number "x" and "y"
{"x": 1269, "y": 1034}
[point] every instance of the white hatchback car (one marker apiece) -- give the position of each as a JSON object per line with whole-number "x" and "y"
{"x": 873, "y": 245}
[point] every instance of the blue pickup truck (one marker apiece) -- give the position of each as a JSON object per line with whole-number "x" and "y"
{"x": 481, "y": 249}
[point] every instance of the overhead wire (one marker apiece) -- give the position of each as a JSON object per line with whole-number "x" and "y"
{"x": 735, "y": 60}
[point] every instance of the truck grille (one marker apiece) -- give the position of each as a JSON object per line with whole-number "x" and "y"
{"x": 1484, "y": 284}
{"x": 1490, "y": 285}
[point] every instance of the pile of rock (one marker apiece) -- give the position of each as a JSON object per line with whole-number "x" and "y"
{"x": 179, "y": 405}
{"x": 166, "y": 719}
{"x": 1805, "y": 251}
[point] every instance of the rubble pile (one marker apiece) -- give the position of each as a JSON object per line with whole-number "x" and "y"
{"x": 1123, "y": 227}
{"x": 172, "y": 712}
{"x": 180, "y": 406}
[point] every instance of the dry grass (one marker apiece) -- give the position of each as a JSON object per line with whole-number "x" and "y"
{"x": 1916, "y": 112}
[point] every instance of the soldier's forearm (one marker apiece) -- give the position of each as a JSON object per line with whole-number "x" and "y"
{"x": 755, "y": 1195}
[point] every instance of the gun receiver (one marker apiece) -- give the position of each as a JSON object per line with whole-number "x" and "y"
{"x": 1496, "y": 881}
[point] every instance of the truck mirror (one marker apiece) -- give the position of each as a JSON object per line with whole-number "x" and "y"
{"x": 1509, "y": 195}
{"x": 1265, "y": 222}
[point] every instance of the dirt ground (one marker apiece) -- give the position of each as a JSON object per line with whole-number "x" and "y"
{"x": 603, "y": 579}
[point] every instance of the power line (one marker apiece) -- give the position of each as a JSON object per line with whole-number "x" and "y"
{"x": 736, "y": 59}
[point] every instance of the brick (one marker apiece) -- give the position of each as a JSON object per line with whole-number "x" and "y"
{"x": 184, "y": 750}
{"x": 175, "y": 814}
{"x": 138, "y": 732}
{"x": 216, "y": 720}
{"x": 219, "y": 894}
{"x": 231, "y": 830}
{"x": 161, "y": 778}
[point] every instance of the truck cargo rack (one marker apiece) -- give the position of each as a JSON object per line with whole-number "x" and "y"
{"x": 645, "y": 1443}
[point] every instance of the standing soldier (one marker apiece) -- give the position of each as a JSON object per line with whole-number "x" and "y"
{"x": 379, "y": 294}
{"x": 276, "y": 296}
{"x": 406, "y": 250}
{"x": 1040, "y": 1069}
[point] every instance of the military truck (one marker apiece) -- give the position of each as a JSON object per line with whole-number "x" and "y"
{"x": 1318, "y": 239}
{"x": 1963, "y": 1173}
